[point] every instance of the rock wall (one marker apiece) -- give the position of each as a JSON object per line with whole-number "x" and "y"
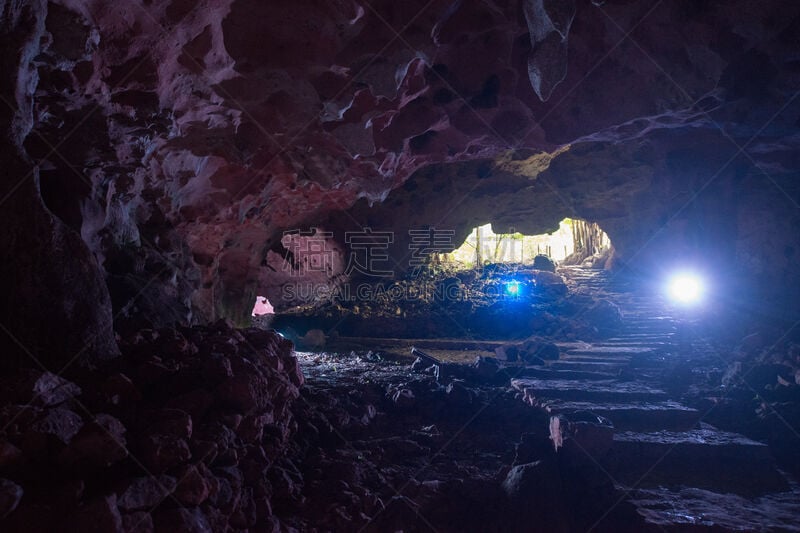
{"x": 56, "y": 310}
{"x": 180, "y": 139}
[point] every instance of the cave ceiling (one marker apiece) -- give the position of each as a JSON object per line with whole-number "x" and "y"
{"x": 182, "y": 138}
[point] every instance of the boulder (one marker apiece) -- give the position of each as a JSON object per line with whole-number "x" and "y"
{"x": 38, "y": 388}
{"x": 161, "y": 452}
{"x": 403, "y": 397}
{"x": 99, "y": 443}
{"x": 538, "y": 482}
{"x": 486, "y": 367}
{"x": 144, "y": 493}
{"x": 549, "y": 284}
{"x": 583, "y": 433}
{"x": 193, "y": 488}
{"x": 100, "y": 515}
{"x": 52, "y": 431}
{"x": 458, "y": 395}
{"x": 542, "y": 262}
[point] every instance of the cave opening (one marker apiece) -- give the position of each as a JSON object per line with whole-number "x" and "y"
{"x": 575, "y": 242}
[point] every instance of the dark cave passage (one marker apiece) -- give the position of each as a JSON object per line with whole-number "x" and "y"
{"x": 399, "y": 266}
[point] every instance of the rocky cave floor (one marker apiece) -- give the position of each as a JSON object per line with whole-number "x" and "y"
{"x": 651, "y": 427}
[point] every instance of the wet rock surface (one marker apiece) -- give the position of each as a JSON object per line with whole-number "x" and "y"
{"x": 426, "y": 453}
{"x": 635, "y": 452}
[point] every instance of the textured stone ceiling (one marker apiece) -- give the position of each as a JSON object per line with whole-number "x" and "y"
{"x": 180, "y": 138}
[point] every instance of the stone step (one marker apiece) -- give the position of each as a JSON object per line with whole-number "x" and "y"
{"x": 642, "y": 337}
{"x": 645, "y": 328}
{"x": 661, "y": 338}
{"x": 596, "y": 358}
{"x": 637, "y": 343}
{"x": 587, "y": 391}
{"x": 587, "y": 366}
{"x": 550, "y": 373}
{"x": 691, "y": 509}
{"x": 639, "y": 416}
{"x": 628, "y": 324}
{"x": 649, "y": 361}
{"x": 705, "y": 458}
{"x": 609, "y": 349}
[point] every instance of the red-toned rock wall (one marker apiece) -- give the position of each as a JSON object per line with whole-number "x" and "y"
{"x": 180, "y": 139}
{"x": 55, "y": 310}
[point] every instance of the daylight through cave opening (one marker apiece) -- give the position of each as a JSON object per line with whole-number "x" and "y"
{"x": 574, "y": 242}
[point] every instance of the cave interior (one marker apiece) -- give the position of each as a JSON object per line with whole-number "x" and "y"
{"x": 431, "y": 265}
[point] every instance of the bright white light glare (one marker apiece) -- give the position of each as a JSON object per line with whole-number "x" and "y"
{"x": 686, "y": 288}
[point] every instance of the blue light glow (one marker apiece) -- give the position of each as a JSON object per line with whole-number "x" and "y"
{"x": 512, "y": 288}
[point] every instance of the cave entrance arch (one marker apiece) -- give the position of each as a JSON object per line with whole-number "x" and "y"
{"x": 575, "y": 241}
